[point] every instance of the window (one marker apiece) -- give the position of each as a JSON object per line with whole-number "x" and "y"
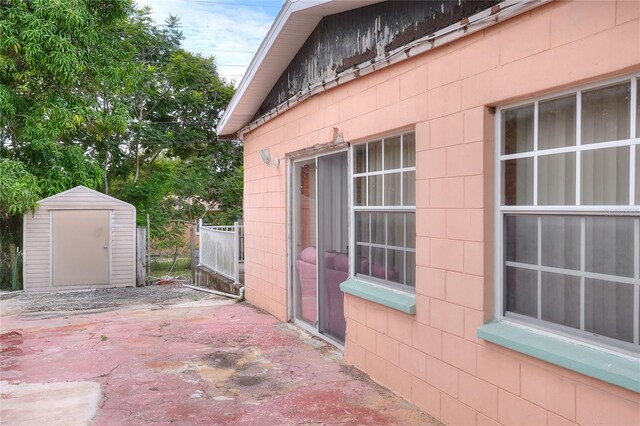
{"x": 568, "y": 216}
{"x": 384, "y": 175}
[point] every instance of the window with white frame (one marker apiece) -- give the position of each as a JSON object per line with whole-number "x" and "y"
{"x": 384, "y": 175}
{"x": 569, "y": 215}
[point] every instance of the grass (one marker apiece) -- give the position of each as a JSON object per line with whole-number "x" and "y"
{"x": 161, "y": 267}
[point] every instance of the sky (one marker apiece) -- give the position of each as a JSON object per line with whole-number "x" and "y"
{"x": 230, "y": 30}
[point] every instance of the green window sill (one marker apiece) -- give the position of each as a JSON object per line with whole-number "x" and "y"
{"x": 620, "y": 370}
{"x": 395, "y": 299}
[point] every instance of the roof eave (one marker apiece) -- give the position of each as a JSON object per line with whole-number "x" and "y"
{"x": 314, "y": 10}
{"x": 233, "y": 124}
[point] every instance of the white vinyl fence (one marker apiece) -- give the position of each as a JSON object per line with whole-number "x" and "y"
{"x": 221, "y": 249}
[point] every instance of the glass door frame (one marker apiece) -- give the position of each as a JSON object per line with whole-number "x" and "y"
{"x": 291, "y": 238}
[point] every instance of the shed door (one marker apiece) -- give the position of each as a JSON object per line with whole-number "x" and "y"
{"x": 80, "y": 247}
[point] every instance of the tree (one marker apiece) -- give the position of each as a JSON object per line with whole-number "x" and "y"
{"x": 173, "y": 116}
{"x": 56, "y": 58}
{"x": 52, "y": 53}
{"x": 93, "y": 93}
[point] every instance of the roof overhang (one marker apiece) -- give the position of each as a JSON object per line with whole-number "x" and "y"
{"x": 293, "y": 25}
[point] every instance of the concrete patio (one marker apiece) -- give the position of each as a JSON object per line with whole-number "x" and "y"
{"x": 189, "y": 359}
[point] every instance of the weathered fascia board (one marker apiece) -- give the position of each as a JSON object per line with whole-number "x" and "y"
{"x": 290, "y": 29}
{"x": 478, "y": 22}
{"x": 343, "y": 40}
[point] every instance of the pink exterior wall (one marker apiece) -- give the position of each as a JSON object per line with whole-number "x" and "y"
{"x": 434, "y": 358}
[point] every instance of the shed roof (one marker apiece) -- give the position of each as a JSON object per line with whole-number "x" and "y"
{"x": 81, "y": 188}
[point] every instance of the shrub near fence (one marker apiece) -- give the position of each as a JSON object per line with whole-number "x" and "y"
{"x": 11, "y": 269}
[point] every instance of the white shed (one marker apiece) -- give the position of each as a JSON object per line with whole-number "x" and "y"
{"x": 79, "y": 239}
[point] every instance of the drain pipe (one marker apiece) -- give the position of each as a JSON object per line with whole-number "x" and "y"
{"x": 239, "y": 297}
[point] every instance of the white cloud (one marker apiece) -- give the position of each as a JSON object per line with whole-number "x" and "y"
{"x": 230, "y": 32}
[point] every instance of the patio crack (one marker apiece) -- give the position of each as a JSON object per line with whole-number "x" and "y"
{"x": 106, "y": 385}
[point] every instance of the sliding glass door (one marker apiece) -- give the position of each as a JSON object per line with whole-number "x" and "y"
{"x": 320, "y": 243}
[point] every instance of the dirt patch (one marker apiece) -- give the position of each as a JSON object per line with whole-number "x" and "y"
{"x": 247, "y": 380}
{"x": 353, "y": 372}
{"x": 223, "y": 359}
{"x": 216, "y": 376}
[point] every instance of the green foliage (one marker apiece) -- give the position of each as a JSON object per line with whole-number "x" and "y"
{"x": 55, "y": 59}
{"x": 19, "y": 190}
{"x": 93, "y": 93}
{"x": 155, "y": 184}
{"x": 230, "y": 195}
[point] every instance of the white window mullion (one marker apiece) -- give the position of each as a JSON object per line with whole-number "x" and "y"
{"x": 632, "y": 160}
{"x": 404, "y": 256}
{"x": 366, "y": 179}
{"x": 634, "y": 106}
{"x": 535, "y": 158}
{"x": 583, "y": 263}
{"x": 636, "y": 315}
{"x": 578, "y": 144}
{"x": 528, "y": 154}
{"x": 632, "y": 175}
{"x": 539, "y": 273}
{"x": 636, "y": 248}
{"x": 621, "y": 210}
{"x": 636, "y": 289}
{"x": 562, "y": 150}
{"x": 384, "y": 208}
{"x": 352, "y": 249}
{"x": 369, "y": 249}
{"x": 382, "y": 191}
{"x": 317, "y": 231}
{"x": 498, "y": 232}
{"x": 382, "y": 172}
{"x": 401, "y": 166}
{"x": 575, "y": 273}
{"x": 386, "y": 241}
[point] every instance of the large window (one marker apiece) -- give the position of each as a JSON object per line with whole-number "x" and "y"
{"x": 569, "y": 215}
{"x": 384, "y": 210}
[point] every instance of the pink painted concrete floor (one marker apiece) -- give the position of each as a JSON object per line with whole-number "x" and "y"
{"x": 208, "y": 361}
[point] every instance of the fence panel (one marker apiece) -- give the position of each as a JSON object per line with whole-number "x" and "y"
{"x": 217, "y": 250}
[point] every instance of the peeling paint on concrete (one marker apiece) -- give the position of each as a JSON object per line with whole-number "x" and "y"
{"x": 197, "y": 363}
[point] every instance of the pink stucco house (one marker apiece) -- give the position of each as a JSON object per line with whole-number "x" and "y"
{"x": 450, "y": 191}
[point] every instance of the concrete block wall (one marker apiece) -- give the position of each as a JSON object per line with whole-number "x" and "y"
{"x": 434, "y": 358}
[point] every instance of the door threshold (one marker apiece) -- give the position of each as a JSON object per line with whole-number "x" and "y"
{"x": 314, "y": 332}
